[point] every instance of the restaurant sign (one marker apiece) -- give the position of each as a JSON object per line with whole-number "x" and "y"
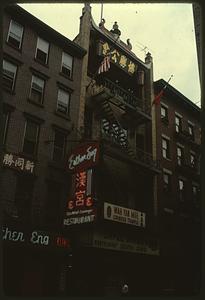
{"x": 120, "y": 243}
{"x": 80, "y": 206}
{"x": 124, "y": 215}
{"x": 117, "y": 58}
{"x": 35, "y": 237}
{"x": 83, "y": 157}
{"x": 18, "y": 163}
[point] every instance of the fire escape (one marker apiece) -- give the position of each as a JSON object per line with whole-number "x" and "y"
{"x": 114, "y": 104}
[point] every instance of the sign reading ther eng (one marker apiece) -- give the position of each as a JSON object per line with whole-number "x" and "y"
{"x": 124, "y": 215}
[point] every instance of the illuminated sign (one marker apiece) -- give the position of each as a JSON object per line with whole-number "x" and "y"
{"x": 117, "y": 58}
{"x": 80, "y": 207}
{"x": 120, "y": 243}
{"x": 35, "y": 237}
{"x": 124, "y": 215}
{"x": 18, "y": 163}
{"x": 83, "y": 157}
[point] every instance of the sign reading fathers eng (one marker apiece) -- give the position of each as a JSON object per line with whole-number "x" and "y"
{"x": 84, "y": 156}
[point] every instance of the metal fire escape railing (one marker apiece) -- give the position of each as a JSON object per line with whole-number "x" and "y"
{"x": 126, "y": 98}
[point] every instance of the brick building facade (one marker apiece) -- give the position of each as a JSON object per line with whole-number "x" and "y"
{"x": 178, "y": 187}
{"x": 41, "y": 92}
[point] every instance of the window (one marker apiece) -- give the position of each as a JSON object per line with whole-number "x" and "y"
{"x": 59, "y": 146}
{"x": 9, "y": 75}
{"x": 6, "y": 116}
{"x": 164, "y": 113}
{"x": 31, "y": 137}
{"x": 191, "y": 130}
{"x": 67, "y": 64}
{"x": 15, "y": 34}
{"x": 23, "y": 196}
{"x": 165, "y": 148}
{"x": 37, "y": 89}
{"x": 167, "y": 182}
{"x": 195, "y": 194}
{"x": 193, "y": 159}
{"x": 181, "y": 188}
{"x": 42, "y": 51}
{"x": 63, "y": 101}
{"x": 180, "y": 155}
{"x": 178, "y": 123}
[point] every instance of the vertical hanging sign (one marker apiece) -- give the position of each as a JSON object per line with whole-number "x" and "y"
{"x": 80, "y": 207}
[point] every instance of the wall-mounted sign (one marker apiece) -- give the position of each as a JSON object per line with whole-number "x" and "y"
{"x": 83, "y": 157}
{"x": 18, "y": 163}
{"x": 120, "y": 243}
{"x": 124, "y": 215}
{"x": 35, "y": 237}
{"x": 117, "y": 58}
{"x": 80, "y": 207}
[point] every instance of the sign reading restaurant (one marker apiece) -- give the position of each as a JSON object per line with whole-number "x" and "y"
{"x": 85, "y": 156}
{"x": 124, "y": 215}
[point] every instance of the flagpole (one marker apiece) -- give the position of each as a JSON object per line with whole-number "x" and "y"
{"x": 101, "y": 12}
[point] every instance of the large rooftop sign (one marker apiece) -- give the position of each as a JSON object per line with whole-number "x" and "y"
{"x": 117, "y": 57}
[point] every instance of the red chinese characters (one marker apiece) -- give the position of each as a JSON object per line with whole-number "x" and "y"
{"x": 81, "y": 199}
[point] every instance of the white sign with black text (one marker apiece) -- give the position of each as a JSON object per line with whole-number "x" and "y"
{"x": 124, "y": 215}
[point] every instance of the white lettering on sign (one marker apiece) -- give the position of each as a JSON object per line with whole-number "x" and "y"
{"x": 76, "y": 160}
{"x": 124, "y": 215}
{"x": 79, "y": 220}
{"x": 12, "y": 235}
{"x": 37, "y": 238}
{"x": 19, "y": 163}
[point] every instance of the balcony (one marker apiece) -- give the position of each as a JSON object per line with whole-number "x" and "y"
{"x": 185, "y": 166}
{"x": 119, "y": 147}
{"x": 134, "y": 111}
{"x": 186, "y": 137}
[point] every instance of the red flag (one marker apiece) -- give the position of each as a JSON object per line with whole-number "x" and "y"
{"x": 158, "y": 97}
{"x": 105, "y": 65}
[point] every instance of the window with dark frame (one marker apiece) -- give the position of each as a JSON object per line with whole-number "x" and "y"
{"x": 59, "y": 145}
{"x": 181, "y": 189}
{"x": 178, "y": 123}
{"x": 42, "y": 50}
{"x": 164, "y": 113}
{"x": 166, "y": 182}
{"x": 31, "y": 135}
{"x": 37, "y": 89}
{"x": 15, "y": 34}
{"x": 165, "y": 148}
{"x": 67, "y": 64}
{"x": 9, "y": 75}
{"x": 180, "y": 155}
{"x": 193, "y": 159}
{"x": 195, "y": 194}
{"x": 191, "y": 130}
{"x": 6, "y": 116}
{"x": 63, "y": 101}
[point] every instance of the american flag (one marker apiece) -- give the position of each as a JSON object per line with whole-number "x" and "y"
{"x": 105, "y": 65}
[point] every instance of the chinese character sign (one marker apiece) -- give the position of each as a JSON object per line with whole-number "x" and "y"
{"x": 80, "y": 207}
{"x": 18, "y": 163}
{"x": 118, "y": 58}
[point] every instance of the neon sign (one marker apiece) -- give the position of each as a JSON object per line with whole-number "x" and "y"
{"x": 83, "y": 157}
